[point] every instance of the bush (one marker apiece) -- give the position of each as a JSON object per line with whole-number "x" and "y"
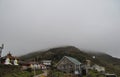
{"x": 55, "y": 73}
{"x": 15, "y": 71}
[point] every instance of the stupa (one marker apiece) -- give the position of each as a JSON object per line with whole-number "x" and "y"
{"x": 7, "y": 61}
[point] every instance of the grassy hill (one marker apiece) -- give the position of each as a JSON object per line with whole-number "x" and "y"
{"x": 55, "y": 54}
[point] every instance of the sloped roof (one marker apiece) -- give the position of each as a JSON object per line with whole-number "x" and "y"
{"x": 73, "y": 60}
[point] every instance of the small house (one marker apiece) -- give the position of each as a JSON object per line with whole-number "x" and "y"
{"x": 38, "y": 66}
{"x": 98, "y": 68}
{"x": 110, "y": 75}
{"x": 69, "y": 65}
{"x": 47, "y": 62}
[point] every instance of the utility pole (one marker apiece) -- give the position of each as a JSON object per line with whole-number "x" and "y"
{"x": 34, "y": 67}
{"x": 37, "y": 59}
{"x": 1, "y": 49}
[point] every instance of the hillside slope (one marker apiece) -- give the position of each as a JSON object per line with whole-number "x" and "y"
{"x": 55, "y": 54}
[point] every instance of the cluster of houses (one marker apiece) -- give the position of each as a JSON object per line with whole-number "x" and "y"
{"x": 67, "y": 64}
{"x": 35, "y": 65}
{"x": 71, "y": 65}
{"x": 9, "y": 59}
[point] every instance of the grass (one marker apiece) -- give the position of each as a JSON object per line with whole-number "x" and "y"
{"x": 23, "y": 74}
{"x": 55, "y": 73}
{"x": 93, "y": 73}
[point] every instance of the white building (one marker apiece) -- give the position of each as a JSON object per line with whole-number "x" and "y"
{"x": 38, "y": 66}
{"x": 46, "y": 62}
{"x": 98, "y": 68}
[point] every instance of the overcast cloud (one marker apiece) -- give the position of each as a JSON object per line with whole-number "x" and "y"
{"x": 30, "y": 25}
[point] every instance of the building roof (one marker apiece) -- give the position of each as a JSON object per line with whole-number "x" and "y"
{"x": 9, "y": 55}
{"x": 73, "y": 60}
{"x": 46, "y": 60}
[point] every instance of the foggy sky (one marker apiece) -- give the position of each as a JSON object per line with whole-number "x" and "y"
{"x": 31, "y": 25}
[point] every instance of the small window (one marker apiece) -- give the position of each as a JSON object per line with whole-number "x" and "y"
{"x": 70, "y": 66}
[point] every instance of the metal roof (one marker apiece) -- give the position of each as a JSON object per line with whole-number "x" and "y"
{"x": 73, "y": 60}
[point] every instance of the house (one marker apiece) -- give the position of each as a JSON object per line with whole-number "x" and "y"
{"x": 98, "y": 68}
{"x": 88, "y": 63}
{"x": 86, "y": 66}
{"x": 47, "y": 62}
{"x": 110, "y": 75}
{"x": 38, "y": 66}
{"x": 84, "y": 69}
{"x": 69, "y": 65}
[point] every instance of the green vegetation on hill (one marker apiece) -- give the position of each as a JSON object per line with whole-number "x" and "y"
{"x": 111, "y": 64}
{"x": 15, "y": 71}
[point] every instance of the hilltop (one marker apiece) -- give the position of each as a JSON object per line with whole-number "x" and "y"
{"x": 111, "y": 64}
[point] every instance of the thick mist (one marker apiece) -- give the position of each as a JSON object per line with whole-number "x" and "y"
{"x": 30, "y": 25}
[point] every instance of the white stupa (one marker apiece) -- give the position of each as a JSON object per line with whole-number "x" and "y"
{"x": 7, "y": 61}
{"x": 31, "y": 66}
{"x": 93, "y": 57}
{"x": 16, "y": 62}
